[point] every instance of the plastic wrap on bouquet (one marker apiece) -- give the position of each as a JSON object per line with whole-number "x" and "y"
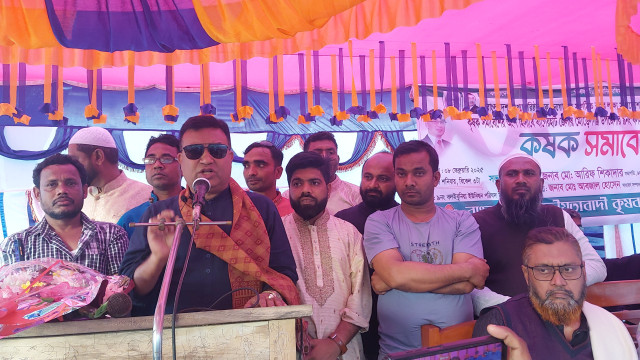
{"x": 36, "y": 291}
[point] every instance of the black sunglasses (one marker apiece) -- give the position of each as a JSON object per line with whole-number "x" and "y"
{"x": 195, "y": 151}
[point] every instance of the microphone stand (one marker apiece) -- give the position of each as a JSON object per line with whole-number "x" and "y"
{"x": 158, "y": 317}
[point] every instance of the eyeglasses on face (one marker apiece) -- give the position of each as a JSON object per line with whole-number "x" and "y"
{"x": 195, "y": 151}
{"x": 165, "y": 159}
{"x": 547, "y": 272}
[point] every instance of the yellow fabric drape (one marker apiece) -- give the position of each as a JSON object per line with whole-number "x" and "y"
{"x": 540, "y": 95}
{"x": 628, "y": 41}
{"x": 371, "y": 16}
{"x": 256, "y": 20}
{"x": 435, "y": 80}
{"x": 563, "y": 85}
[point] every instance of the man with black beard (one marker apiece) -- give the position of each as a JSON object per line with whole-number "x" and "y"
{"x": 333, "y": 275}
{"x": 504, "y": 226}
{"x": 553, "y": 317}
{"x": 65, "y": 232}
{"x": 378, "y": 189}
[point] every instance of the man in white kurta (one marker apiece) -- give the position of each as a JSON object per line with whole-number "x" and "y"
{"x": 333, "y": 275}
{"x": 111, "y": 193}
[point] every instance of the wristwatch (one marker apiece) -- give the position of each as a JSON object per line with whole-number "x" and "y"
{"x": 341, "y": 344}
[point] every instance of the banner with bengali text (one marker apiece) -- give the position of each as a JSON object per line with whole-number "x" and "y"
{"x": 592, "y": 166}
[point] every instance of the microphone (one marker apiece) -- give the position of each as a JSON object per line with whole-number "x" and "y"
{"x": 200, "y": 187}
{"x": 119, "y": 305}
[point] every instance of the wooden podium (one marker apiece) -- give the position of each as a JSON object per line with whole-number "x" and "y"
{"x": 259, "y": 333}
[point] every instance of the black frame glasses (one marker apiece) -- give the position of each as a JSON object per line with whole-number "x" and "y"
{"x": 547, "y": 272}
{"x": 195, "y": 151}
{"x": 165, "y": 160}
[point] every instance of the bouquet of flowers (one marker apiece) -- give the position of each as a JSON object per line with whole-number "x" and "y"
{"x": 36, "y": 291}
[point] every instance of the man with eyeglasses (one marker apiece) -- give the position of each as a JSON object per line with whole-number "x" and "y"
{"x": 163, "y": 174}
{"x": 262, "y": 165}
{"x": 503, "y": 227}
{"x": 553, "y": 318}
{"x": 111, "y": 192}
{"x": 228, "y": 264}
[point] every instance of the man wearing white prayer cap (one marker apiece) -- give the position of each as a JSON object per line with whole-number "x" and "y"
{"x": 111, "y": 192}
{"x": 503, "y": 227}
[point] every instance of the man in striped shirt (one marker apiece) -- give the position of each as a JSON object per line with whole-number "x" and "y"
{"x": 65, "y": 232}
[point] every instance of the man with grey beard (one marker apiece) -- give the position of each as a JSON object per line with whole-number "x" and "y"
{"x": 503, "y": 227}
{"x": 553, "y": 317}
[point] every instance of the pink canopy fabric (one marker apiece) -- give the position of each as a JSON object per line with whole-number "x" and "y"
{"x": 550, "y": 24}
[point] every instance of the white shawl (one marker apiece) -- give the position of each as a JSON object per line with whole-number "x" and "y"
{"x": 609, "y": 337}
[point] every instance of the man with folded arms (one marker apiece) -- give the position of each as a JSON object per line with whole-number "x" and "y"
{"x": 553, "y": 318}
{"x": 426, "y": 259}
{"x": 253, "y": 252}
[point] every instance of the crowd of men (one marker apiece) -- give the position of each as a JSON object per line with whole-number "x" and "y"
{"x": 373, "y": 270}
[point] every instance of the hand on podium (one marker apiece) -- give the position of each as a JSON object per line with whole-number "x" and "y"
{"x": 267, "y": 298}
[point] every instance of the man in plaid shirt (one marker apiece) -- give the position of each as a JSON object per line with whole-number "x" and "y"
{"x": 65, "y": 232}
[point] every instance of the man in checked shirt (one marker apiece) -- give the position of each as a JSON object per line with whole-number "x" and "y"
{"x": 65, "y": 232}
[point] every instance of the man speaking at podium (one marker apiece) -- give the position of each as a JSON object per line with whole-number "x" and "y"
{"x": 252, "y": 253}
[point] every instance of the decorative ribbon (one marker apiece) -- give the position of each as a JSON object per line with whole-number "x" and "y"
{"x": 622, "y": 79}
{"x": 563, "y": 84}
{"x": 465, "y": 81}
{"x": 276, "y": 88}
{"x": 586, "y": 85}
{"x": 523, "y": 86}
{"x": 610, "y": 89}
{"x": 363, "y": 90}
{"x": 510, "y": 87}
{"x": 537, "y": 77}
{"x": 510, "y": 101}
{"x": 447, "y": 72}
{"x": 206, "y": 108}
{"x": 381, "y": 69}
{"x": 131, "y": 114}
{"x": 434, "y": 75}
{"x": 566, "y": 74}
{"x": 92, "y": 111}
{"x": 497, "y": 113}
{"x": 414, "y": 72}
{"x": 305, "y": 116}
{"x": 402, "y": 86}
{"x": 577, "y": 80}
{"x": 423, "y": 82}
{"x": 380, "y": 108}
{"x": 417, "y": 112}
{"x": 454, "y": 82}
{"x": 393, "y": 116}
{"x": 632, "y": 91}
{"x": 338, "y": 116}
{"x": 596, "y": 89}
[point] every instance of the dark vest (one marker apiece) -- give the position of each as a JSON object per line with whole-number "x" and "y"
{"x": 544, "y": 340}
{"x": 503, "y": 243}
